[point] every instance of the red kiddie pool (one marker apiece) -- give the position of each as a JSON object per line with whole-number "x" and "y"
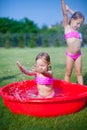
{"x": 20, "y": 98}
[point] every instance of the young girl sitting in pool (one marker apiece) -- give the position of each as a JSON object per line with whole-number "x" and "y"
{"x": 43, "y": 75}
{"x": 73, "y": 40}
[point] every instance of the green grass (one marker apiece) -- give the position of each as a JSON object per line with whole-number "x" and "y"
{"x": 9, "y": 73}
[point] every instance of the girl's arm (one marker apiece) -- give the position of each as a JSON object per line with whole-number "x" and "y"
{"x": 45, "y": 73}
{"x": 48, "y": 73}
{"x": 69, "y": 10}
{"x": 65, "y": 16}
{"x": 23, "y": 70}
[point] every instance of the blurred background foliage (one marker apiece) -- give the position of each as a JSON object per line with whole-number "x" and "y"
{"x": 25, "y": 33}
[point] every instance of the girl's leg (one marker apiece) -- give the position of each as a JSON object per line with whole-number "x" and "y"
{"x": 69, "y": 67}
{"x": 78, "y": 69}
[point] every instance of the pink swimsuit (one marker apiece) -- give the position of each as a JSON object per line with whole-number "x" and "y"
{"x": 73, "y": 56}
{"x": 72, "y": 35}
{"x": 44, "y": 80}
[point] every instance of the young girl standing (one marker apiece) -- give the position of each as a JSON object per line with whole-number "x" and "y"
{"x": 73, "y": 40}
{"x": 43, "y": 75}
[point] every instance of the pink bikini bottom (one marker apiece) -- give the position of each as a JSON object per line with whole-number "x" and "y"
{"x": 73, "y": 56}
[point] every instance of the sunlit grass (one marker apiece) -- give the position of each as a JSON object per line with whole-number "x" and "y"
{"x": 9, "y": 73}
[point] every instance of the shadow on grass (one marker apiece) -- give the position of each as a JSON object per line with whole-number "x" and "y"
{"x": 8, "y": 77}
{"x": 85, "y": 78}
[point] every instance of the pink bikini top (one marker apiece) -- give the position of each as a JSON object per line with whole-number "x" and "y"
{"x": 72, "y": 35}
{"x": 44, "y": 80}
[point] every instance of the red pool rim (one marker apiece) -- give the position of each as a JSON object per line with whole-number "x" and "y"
{"x": 79, "y": 99}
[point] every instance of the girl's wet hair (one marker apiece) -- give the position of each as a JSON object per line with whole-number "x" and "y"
{"x": 43, "y": 55}
{"x": 77, "y": 15}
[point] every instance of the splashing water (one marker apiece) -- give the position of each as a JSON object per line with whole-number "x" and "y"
{"x": 24, "y": 94}
{"x": 26, "y": 90}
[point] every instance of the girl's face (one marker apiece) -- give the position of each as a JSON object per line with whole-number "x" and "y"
{"x": 76, "y": 23}
{"x": 42, "y": 64}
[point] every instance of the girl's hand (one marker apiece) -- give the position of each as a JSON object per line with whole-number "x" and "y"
{"x": 69, "y": 10}
{"x": 67, "y": 7}
{"x": 18, "y": 63}
{"x": 37, "y": 69}
{"x": 20, "y": 66}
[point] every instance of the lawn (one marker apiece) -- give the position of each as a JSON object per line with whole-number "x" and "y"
{"x": 10, "y": 73}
